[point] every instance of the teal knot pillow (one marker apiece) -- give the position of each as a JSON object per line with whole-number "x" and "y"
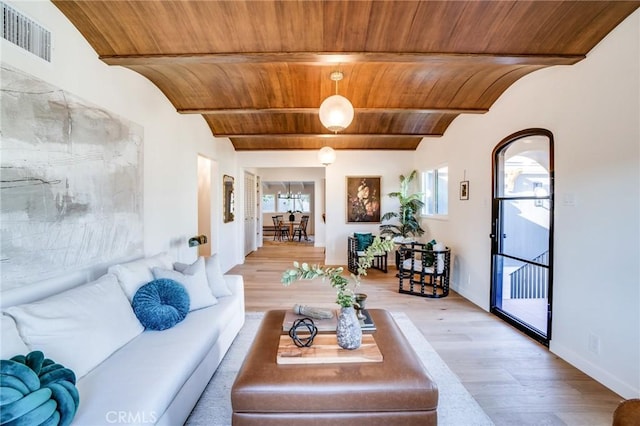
{"x": 364, "y": 241}
{"x": 161, "y": 304}
{"x": 34, "y": 390}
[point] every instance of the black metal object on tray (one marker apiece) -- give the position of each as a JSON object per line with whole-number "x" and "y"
{"x": 303, "y": 324}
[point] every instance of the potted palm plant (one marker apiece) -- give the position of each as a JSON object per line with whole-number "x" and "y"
{"x": 404, "y": 226}
{"x": 348, "y": 332}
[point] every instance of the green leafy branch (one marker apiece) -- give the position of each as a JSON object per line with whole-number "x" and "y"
{"x": 345, "y": 293}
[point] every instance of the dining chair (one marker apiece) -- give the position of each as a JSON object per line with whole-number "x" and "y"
{"x": 301, "y": 229}
{"x": 283, "y": 227}
{"x": 280, "y": 229}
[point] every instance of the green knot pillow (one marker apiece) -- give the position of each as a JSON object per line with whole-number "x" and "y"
{"x": 34, "y": 390}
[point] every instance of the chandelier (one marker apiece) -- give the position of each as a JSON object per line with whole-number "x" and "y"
{"x": 336, "y": 112}
{"x": 289, "y": 195}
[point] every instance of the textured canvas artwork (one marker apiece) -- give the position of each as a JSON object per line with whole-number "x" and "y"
{"x": 71, "y": 182}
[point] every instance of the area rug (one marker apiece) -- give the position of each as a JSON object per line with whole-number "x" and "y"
{"x": 456, "y": 406}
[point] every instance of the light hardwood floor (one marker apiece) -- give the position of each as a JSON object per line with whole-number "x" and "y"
{"x": 514, "y": 379}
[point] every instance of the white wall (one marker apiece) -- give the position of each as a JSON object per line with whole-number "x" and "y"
{"x": 389, "y": 165}
{"x": 172, "y": 141}
{"x": 593, "y": 110}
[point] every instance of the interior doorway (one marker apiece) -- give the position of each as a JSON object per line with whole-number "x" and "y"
{"x": 204, "y": 204}
{"x": 251, "y": 189}
{"x": 522, "y": 232}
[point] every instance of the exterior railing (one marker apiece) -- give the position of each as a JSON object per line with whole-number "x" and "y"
{"x": 531, "y": 281}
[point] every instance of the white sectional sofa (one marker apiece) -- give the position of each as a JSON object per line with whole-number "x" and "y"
{"x": 126, "y": 374}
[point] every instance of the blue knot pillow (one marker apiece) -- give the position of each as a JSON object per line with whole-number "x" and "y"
{"x": 161, "y": 304}
{"x": 34, "y": 390}
{"x": 364, "y": 241}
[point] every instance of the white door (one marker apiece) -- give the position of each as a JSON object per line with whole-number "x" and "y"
{"x": 204, "y": 204}
{"x": 250, "y": 215}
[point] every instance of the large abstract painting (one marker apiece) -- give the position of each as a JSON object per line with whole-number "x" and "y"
{"x": 71, "y": 182}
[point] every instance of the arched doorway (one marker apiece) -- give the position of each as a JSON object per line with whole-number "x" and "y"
{"x": 522, "y": 232}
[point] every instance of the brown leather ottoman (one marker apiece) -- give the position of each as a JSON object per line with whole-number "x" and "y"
{"x": 397, "y": 390}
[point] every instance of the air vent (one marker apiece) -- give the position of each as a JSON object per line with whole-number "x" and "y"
{"x": 25, "y": 32}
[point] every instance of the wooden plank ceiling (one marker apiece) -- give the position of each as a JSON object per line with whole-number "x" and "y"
{"x": 257, "y": 71}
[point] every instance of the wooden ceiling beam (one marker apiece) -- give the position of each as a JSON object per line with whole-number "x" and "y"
{"x": 216, "y": 111}
{"x": 251, "y": 144}
{"x": 336, "y": 58}
{"x": 325, "y": 135}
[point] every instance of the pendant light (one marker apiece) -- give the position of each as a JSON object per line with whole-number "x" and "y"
{"x": 336, "y": 112}
{"x": 326, "y": 155}
{"x": 289, "y": 195}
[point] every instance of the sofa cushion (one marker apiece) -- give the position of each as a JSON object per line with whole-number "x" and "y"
{"x": 133, "y": 275}
{"x": 11, "y": 343}
{"x": 194, "y": 279}
{"x": 144, "y": 376}
{"x": 215, "y": 277}
{"x": 79, "y": 327}
{"x": 161, "y": 304}
{"x": 440, "y": 260}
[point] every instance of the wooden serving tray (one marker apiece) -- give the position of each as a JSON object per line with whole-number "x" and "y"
{"x": 325, "y": 350}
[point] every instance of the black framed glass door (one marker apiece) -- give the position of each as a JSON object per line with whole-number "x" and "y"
{"x": 522, "y": 232}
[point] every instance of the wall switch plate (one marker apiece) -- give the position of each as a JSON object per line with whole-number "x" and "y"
{"x": 569, "y": 199}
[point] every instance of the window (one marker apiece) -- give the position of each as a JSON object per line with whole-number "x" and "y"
{"x": 302, "y": 204}
{"x": 305, "y": 203}
{"x": 268, "y": 203}
{"x": 435, "y": 190}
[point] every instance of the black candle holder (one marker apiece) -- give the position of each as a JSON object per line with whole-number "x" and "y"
{"x": 360, "y": 298}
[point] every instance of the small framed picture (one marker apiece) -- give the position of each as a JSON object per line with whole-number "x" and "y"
{"x": 464, "y": 190}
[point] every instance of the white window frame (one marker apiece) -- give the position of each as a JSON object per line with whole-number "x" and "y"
{"x": 431, "y": 191}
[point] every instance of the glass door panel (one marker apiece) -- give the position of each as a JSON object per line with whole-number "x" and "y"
{"x": 525, "y": 230}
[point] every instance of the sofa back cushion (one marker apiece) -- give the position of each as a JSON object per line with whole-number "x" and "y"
{"x": 81, "y": 327}
{"x": 194, "y": 278}
{"x": 215, "y": 277}
{"x": 11, "y": 344}
{"x": 135, "y": 274}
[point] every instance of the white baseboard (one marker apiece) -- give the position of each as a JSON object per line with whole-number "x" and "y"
{"x": 626, "y": 390}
